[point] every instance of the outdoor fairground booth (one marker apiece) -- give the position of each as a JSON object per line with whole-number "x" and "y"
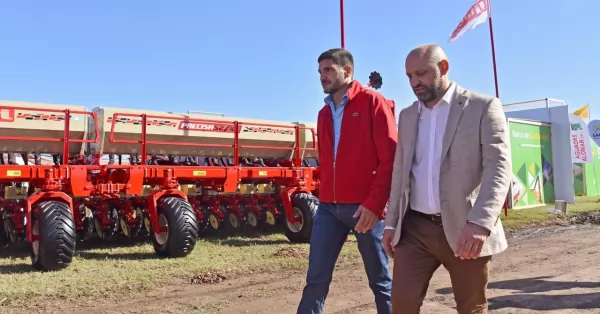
{"x": 542, "y": 163}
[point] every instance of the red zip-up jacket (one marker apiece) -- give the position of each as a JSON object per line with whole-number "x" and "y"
{"x": 362, "y": 171}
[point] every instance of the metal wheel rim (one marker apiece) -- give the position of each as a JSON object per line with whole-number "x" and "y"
{"x": 252, "y": 219}
{"x": 124, "y": 226}
{"x": 161, "y": 238}
{"x": 233, "y": 220}
{"x": 98, "y": 227}
{"x": 139, "y": 222}
{"x": 270, "y": 218}
{"x": 114, "y": 220}
{"x": 35, "y": 245}
{"x": 147, "y": 225}
{"x": 297, "y": 226}
{"x": 88, "y": 213}
{"x": 214, "y": 222}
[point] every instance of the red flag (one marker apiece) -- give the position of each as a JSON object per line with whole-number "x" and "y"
{"x": 477, "y": 14}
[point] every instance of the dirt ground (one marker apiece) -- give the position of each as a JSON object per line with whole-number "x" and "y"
{"x": 545, "y": 270}
{"x": 551, "y": 270}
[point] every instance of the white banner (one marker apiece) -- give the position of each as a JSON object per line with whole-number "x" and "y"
{"x": 477, "y": 14}
{"x": 581, "y": 148}
{"x": 594, "y": 128}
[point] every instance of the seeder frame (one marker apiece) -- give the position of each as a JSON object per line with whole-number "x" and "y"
{"x": 67, "y": 182}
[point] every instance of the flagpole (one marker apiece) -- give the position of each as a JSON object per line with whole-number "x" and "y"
{"x": 342, "y": 37}
{"x": 342, "y": 22}
{"x": 495, "y": 75}
{"x": 493, "y": 47}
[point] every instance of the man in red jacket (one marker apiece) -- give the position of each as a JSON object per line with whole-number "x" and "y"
{"x": 356, "y": 140}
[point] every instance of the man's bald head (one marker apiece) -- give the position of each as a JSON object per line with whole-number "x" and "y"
{"x": 427, "y": 70}
{"x": 430, "y": 53}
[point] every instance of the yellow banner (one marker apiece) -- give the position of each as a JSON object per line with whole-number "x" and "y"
{"x": 583, "y": 112}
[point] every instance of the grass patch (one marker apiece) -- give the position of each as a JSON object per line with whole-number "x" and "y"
{"x": 106, "y": 272}
{"x": 523, "y": 218}
{"x": 102, "y": 271}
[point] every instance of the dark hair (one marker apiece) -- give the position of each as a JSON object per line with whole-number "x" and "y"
{"x": 340, "y": 56}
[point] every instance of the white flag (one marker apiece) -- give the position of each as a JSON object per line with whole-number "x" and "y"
{"x": 477, "y": 14}
{"x": 581, "y": 147}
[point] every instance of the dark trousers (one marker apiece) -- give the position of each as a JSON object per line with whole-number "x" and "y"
{"x": 421, "y": 250}
{"x": 331, "y": 226}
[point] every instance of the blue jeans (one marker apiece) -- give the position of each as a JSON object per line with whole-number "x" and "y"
{"x": 331, "y": 226}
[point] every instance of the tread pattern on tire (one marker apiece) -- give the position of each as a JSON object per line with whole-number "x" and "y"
{"x": 183, "y": 227}
{"x": 57, "y": 235}
{"x": 308, "y": 205}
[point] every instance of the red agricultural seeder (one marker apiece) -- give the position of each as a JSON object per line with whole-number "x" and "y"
{"x": 198, "y": 174}
{"x": 66, "y": 172}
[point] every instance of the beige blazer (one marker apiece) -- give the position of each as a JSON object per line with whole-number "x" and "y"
{"x": 475, "y": 172}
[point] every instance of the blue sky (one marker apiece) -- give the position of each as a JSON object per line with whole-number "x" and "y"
{"x": 257, "y": 59}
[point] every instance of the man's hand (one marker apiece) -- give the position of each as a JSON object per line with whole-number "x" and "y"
{"x": 367, "y": 219}
{"x": 388, "y": 238}
{"x": 472, "y": 238}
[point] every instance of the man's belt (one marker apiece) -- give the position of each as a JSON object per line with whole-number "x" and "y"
{"x": 435, "y": 218}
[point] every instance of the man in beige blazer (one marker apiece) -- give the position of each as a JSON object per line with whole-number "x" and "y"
{"x": 450, "y": 179}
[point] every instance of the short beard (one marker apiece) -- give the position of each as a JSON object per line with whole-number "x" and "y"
{"x": 432, "y": 92}
{"x": 335, "y": 87}
{"x": 331, "y": 90}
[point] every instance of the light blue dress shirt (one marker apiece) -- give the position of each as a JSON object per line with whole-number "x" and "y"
{"x": 337, "y": 114}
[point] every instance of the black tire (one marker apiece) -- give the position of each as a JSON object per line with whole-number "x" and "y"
{"x": 214, "y": 221}
{"x": 4, "y": 240}
{"x": 204, "y": 223}
{"x": 182, "y": 224}
{"x": 252, "y": 220}
{"x": 215, "y": 225}
{"x": 87, "y": 230}
{"x": 307, "y": 205}
{"x": 53, "y": 222}
{"x": 233, "y": 222}
{"x": 87, "y": 225}
{"x": 263, "y": 224}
